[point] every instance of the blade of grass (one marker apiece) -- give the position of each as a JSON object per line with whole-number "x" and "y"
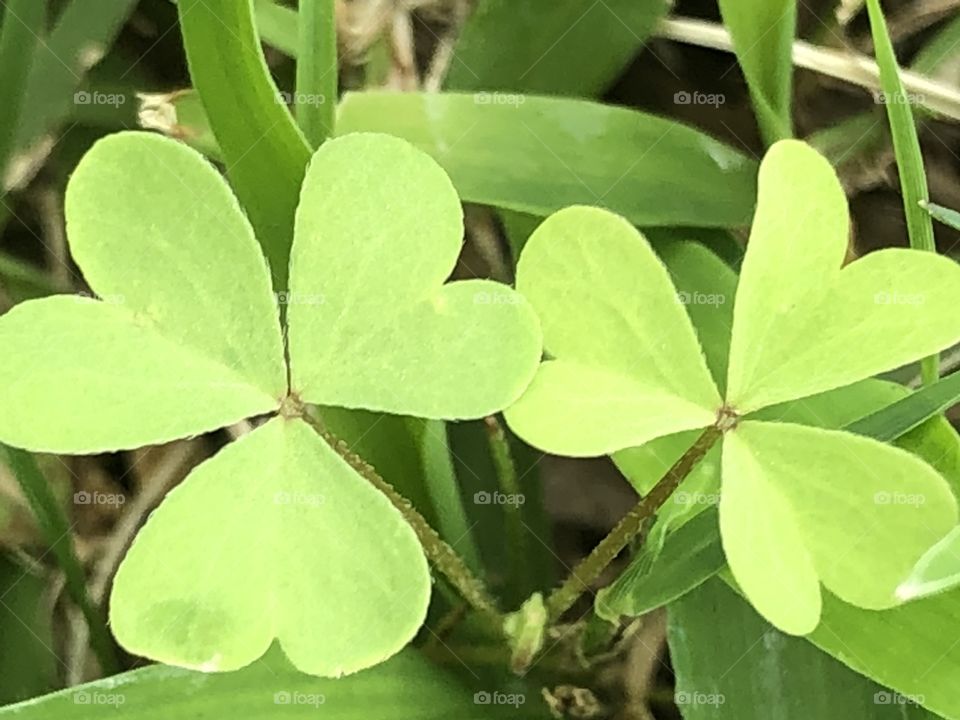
{"x": 53, "y": 524}
{"x": 950, "y": 218}
{"x": 944, "y": 45}
{"x": 762, "y": 32}
{"x": 14, "y": 270}
{"x": 278, "y": 26}
{"x": 906, "y": 146}
{"x": 901, "y": 417}
{"x": 265, "y": 152}
{"x": 316, "y": 97}
{"x": 23, "y": 22}
{"x": 83, "y": 33}
{"x": 550, "y": 47}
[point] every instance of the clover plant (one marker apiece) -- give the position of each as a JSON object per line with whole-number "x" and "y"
{"x": 277, "y": 536}
{"x": 799, "y": 506}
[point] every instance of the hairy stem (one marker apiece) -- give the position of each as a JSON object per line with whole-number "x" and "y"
{"x": 443, "y": 557}
{"x": 589, "y": 569}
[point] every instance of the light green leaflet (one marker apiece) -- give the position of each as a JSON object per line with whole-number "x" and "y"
{"x": 624, "y": 358}
{"x": 286, "y": 490}
{"x": 800, "y": 506}
{"x": 187, "y": 338}
{"x": 371, "y": 323}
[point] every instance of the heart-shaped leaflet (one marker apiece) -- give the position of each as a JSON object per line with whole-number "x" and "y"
{"x": 275, "y": 537}
{"x": 799, "y": 506}
{"x": 371, "y": 323}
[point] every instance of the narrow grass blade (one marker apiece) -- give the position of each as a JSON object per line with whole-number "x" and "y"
{"x": 278, "y": 26}
{"x": 904, "y": 415}
{"x": 943, "y": 45}
{"x": 763, "y": 33}
{"x": 56, "y": 531}
{"x": 82, "y": 34}
{"x": 265, "y": 153}
{"x": 948, "y": 217}
{"x": 906, "y": 145}
{"x": 316, "y": 97}
{"x": 23, "y": 22}
{"x": 552, "y": 47}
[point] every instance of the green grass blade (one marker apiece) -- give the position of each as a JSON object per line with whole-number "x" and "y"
{"x": 56, "y": 531}
{"x": 265, "y": 153}
{"x": 557, "y": 161}
{"x": 23, "y": 22}
{"x": 763, "y": 33}
{"x": 906, "y": 145}
{"x": 316, "y": 96}
{"x": 950, "y": 218}
{"x": 943, "y": 45}
{"x": 556, "y": 47}
{"x": 278, "y": 26}
{"x": 904, "y": 415}
{"x": 79, "y": 39}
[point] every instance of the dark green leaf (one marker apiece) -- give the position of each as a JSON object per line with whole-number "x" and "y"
{"x": 562, "y": 152}
{"x": 732, "y": 664}
{"x": 404, "y": 687}
{"x": 563, "y": 47}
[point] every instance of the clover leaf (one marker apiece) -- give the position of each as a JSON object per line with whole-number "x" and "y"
{"x": 799, "y": 506}
{"x": 276, "y": 537}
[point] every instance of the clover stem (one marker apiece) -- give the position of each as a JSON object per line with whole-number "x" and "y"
{"x": 506, "y": 471}
{"x": 443, "y": 557}
{"x": 590, "y": 568}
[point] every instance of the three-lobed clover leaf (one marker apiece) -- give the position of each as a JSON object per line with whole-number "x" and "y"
{"x": 799, "y": 506}
{"x": 276, "y": 537}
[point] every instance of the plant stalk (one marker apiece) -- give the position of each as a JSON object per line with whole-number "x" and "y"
{"x": 590, "y": 568}
{"x": 506, "y": 472}
{"x": 443, "y": 557}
